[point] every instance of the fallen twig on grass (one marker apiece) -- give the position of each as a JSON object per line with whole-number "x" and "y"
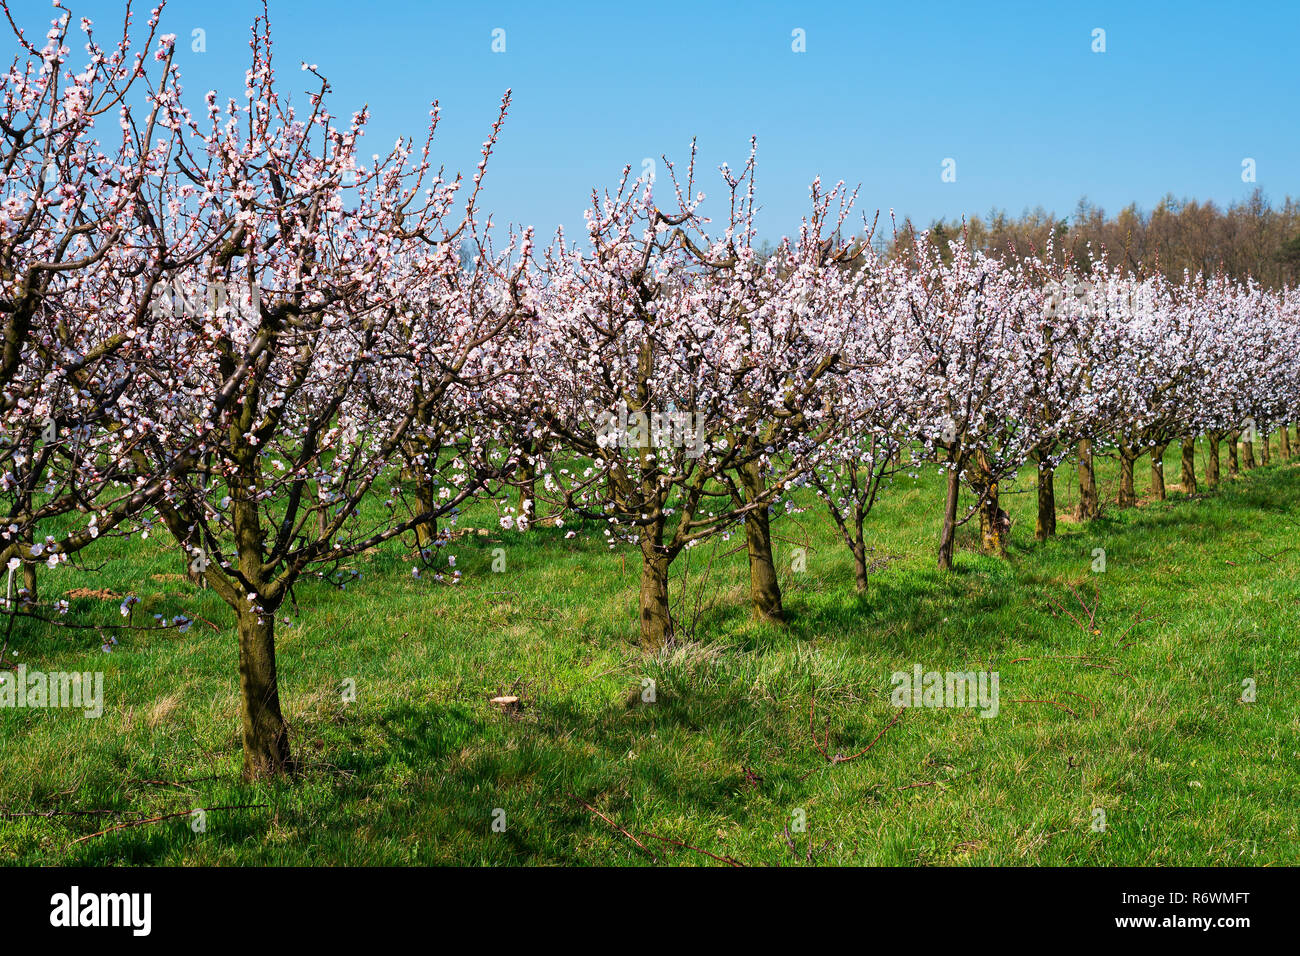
{"x": 1271, "y": 557}
{"x": 1088, "y": 699}
{"x": 1137, "y": 619}
{"x": 730, "y": 861}
{"x": 823, "y": 746}
{"x": 1090, "y": 612}
{"x": 165, "y": 816}
{"x": 625, "y": 833}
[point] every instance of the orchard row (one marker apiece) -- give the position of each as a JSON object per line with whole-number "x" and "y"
{"x": 222, "y": 319}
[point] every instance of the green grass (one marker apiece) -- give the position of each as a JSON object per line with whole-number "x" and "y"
{"x": 1198, "y": 595}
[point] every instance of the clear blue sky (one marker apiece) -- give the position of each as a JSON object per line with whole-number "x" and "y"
{"x": 1013, "y": 92}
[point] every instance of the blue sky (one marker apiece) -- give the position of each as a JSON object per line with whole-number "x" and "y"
{"x": 884, "y": 93}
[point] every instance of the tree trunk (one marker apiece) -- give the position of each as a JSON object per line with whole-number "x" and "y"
{"x": 1045, "y": 525}
{"x": 993, "y": 524}
{"x": 1284, "y": 437}
{"x": 1264, "y": 452}
{"x": 266, "y": 735}
{"x": 29, "y": 567}
{"x": 1188, "y": 479}
{"x": 1158, "y": 471}
{"x": 29, "y": 580}
{"x": 764, "y": 590}
{"x": 1212, "y": 460}
{"x": 1088, "y": 504}
{"x": 1127, "y": 495}
{"x": 948, "y": 536}
{"x": 426, "y": 532}
{"x": 1233, "y": 467}
{"x": 1248, "y": 452}
{"x": 528, "y": 486}
{"x": 860, "y": 569}
{"x": 656, "y": 616}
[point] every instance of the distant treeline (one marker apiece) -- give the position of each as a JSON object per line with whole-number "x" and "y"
{"x": 1248, "y": 238}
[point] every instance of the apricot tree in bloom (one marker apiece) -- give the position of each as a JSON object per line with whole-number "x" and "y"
{"x": 643, "y": 373}
{"x": 1150, "y": 345}
{"x": 869, "y": 401}
{"x": 85, "y": 180}
{"x": 282, "y": 410}
{"x": 1055, "y": 334}
{"x": 791, "y": 358}
{"x": 962, "y": 322}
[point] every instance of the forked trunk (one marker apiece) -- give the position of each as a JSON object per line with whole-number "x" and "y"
{"x": 265, "y": 733}
{"x": 1088, "y": 504}
{"x": 1188, "y": 479}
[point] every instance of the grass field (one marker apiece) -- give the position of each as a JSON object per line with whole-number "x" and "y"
{"x": 1139, "y": 715}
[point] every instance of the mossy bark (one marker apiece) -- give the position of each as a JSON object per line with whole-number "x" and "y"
{"x": 993, "y": 525}
{"x": 993, "y": 521}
